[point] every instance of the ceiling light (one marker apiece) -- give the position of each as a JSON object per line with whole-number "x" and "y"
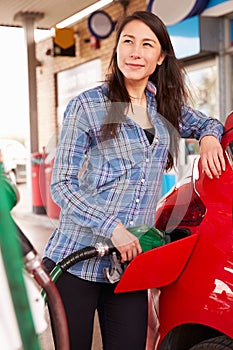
{"x": 84, "y": 13}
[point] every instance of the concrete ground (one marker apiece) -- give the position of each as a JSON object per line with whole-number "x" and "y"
{"x": 37, "y": 229}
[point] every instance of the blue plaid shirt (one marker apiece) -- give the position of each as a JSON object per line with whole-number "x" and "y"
{"x": 122, "y": 178}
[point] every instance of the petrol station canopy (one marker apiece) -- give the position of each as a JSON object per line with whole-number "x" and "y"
{"x": 49, "y": 12}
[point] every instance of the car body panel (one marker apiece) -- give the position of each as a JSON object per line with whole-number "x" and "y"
{"x": 201, "y": 290}
{"x": 204, "y": 293}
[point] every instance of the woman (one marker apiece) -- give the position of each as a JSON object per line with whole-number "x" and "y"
{"x": 125, "y": 132}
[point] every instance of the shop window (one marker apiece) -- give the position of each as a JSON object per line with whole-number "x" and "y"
{"x": 73, "y": 81}
{"x": 231, "y": 32}
{"x": 202, "y": 82}
{"x": 203, "y": 85}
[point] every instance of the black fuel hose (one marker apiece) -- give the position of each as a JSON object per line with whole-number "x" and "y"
{"x": 89, "y": 252}
{"x": 79, "y": 255}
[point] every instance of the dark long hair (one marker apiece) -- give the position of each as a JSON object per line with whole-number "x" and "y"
{"x": 168, "y": 79}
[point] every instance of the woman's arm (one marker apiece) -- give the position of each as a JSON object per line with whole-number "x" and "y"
{"x": 208, "y": 131}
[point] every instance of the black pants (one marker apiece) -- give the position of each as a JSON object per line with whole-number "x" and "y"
{"x": 123, "y": 317}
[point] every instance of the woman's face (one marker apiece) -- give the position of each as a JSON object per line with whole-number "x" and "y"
{"x": 138, "y": 52}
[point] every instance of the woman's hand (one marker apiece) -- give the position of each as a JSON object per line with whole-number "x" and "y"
{"x": 126, "y": 243}
{"x": 212, "y": 158}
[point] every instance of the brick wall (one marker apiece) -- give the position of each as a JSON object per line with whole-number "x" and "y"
{"x": 46, "y": 73}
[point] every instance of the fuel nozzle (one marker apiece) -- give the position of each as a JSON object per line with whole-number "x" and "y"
{"x": 32, "y": 260}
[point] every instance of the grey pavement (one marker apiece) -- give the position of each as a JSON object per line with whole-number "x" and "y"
{"x": 38, "y": 228}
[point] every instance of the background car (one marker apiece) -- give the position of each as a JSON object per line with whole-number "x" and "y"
{"x": 194, "y": 272}
{"x": 13, "y": 156}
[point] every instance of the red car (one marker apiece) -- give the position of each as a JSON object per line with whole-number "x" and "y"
{"x": 194, "y": 273}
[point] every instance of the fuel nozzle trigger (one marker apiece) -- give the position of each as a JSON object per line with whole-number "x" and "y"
{"x": 116, "y": 271}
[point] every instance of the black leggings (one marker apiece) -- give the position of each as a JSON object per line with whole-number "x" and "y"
{"x": 123, "y": 317}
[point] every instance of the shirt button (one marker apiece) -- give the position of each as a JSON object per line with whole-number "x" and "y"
{"x": 137, "y": 200}
{"x": 131, "y": 223}
{"x": 147, "y": 160}
{"x": 143, "y": 180}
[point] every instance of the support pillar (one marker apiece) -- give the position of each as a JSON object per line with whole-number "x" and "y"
{"x": 28, "y": 20}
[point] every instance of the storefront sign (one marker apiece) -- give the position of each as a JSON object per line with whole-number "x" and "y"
{"x": 192, "y": 25}
{"x": 178, "y": 10}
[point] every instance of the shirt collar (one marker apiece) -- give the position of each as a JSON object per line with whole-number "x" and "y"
{"x": 151, "y": 87}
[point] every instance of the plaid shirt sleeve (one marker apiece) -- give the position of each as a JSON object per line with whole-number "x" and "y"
{"x": 196, "y": 124}
{"x": 66, "y": 191}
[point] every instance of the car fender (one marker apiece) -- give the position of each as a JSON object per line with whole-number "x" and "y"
{"x": 203, "y": 295}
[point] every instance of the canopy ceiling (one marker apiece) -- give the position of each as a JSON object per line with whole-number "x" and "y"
{"x": 52, "y": 11}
